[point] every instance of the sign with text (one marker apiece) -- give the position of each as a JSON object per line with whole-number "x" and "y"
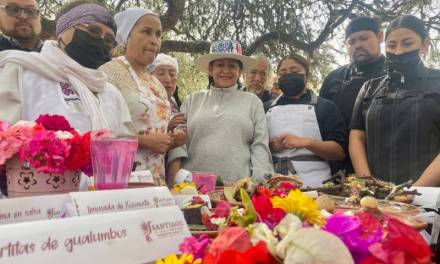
{"x": 110, "y": 201}
{"x": 14, "y": 210}
{"x": 139, "y": 236}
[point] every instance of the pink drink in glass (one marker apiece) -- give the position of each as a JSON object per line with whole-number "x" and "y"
{"x": 204, "y": 181}
{"x": 112, "y": 161}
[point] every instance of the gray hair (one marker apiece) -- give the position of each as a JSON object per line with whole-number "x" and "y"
{"x": 261, "y": 57}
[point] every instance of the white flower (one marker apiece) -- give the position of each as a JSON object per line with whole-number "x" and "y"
{"x": 23, "y": 123}
{"x": 261, "y": 232}
{"x": 289, "y": 223}
{"x": 63, "y": 135}
{"x": 218, "y": 220}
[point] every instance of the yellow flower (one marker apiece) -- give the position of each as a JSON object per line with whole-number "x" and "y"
{"x": 177, "y": 188}
{"x": 301, "y": 205}
{"x": 183, "y": 259}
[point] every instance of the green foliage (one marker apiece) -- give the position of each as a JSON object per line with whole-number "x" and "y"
{"x": 303, "y": 21}
{"x": 190, "y": 79}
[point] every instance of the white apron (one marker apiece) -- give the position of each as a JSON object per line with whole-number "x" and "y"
{"x": 300, "y": 120}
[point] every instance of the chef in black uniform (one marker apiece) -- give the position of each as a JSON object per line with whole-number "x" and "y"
{"x": 363, "y": 39}
{"x": 395, "y": 129}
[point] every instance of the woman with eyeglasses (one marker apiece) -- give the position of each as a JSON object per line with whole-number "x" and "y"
{"x": 395, "y": 128}
{"x": 63, "y": 79}
{"x": 139, "y": 32}
{"x": 20, "y": 24}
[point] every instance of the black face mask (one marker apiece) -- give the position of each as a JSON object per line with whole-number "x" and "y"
{"x": 404, "y": 63}
{"x": 292, "y": 84}
{"x": 87, "y": 50}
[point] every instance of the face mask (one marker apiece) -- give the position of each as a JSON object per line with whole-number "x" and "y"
{"x": 87, "y": 50}
{"x": 292, "y": 84}
{"x": 404, "y": 63}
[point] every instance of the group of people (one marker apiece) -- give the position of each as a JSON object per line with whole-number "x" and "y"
{"x": 378, "y": 115}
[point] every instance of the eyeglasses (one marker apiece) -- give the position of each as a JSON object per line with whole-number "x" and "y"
{"x": 15, "y": 11}
{"x": 96, "y": 31}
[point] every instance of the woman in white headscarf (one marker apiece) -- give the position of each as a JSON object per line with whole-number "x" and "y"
{"x": 166, "y": 68}
{"x": 139, "y": 32}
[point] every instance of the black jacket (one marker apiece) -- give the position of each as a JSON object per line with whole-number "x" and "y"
{"x": 7, "y": 43}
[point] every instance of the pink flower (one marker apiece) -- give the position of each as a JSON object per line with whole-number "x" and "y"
{"x": 4, "y": 126}
{"x": 284, "y": 188}
{"x": 222, "y": 209}
{"x": 9, "y": 146}
{"x": 357, "y": 233}
{"x": 46, "y": 152}
{"x": 12, "y": 138}
{"x": 54, "y": 122}
{"x": 197, "y": 247}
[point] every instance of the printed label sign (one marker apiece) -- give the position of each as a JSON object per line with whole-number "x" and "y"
{"x": 139, "y": 236}
{"x": 15, "y": 210}
{"x": 108, "y": 201}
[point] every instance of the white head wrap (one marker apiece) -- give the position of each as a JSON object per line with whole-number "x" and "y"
{"x": 125, "y": 21}
{"x": 163, "y": 59}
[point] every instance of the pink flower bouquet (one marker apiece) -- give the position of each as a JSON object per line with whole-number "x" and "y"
{"x": 49, "y": 145}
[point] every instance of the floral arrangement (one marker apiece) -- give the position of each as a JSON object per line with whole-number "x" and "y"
{"x": 276, "y": 227}
{"x": 49, "y": 145}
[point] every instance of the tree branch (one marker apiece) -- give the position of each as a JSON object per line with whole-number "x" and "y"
{"x": 330, "y": 27}
{"x": 173, "y": 14}
{"x": 185, "y": 46}
{"x": 119, "y": 5}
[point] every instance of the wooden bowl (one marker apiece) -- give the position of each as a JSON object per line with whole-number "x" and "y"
{"x": 273, "y": 182}
{"x": 218, "y": 195}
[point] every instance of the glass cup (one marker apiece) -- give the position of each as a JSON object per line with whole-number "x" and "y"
{"x": 112, "y": 160}
{"x": 204, "y": 181}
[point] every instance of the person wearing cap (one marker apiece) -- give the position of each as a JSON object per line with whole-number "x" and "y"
{"x": 363, "y": 37}
{"x": 62, "y": 79}
{"x": 227, "y": 132}
{"x": 166, "y": 68}
{"x": 139, "y": 32}
{"x": 258, "y": 79}
{"x": 395, "y": 129}
{"x": 305, "y": 130}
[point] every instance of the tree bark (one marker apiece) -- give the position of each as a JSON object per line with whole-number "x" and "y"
{"x": 173, "y": 14}
{"x": 193, "y": 47}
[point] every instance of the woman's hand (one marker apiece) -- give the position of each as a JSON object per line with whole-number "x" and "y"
{"x": 178, "y": 119}
{"x": 158, "y": 143}
{"x": 293, "y": 141}
{"x": 276, "y": 144}
{"x": 179, "y": 137}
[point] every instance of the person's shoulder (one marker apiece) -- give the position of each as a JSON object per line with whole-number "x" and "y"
{"x": 338, "y": 72}
{"x": 374, "y": 83}
{"x": 115, "y": 65}
{"x": 248, "y": 96}
{"x": 433, "y": 73}
{"x": 196, "y": 96}
{"x": 328, "y": 104}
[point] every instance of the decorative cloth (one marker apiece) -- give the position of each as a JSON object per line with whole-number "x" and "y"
{"x": 86, "y": 13}
{"x": 164, "y": 59}
{"x": 126, "y": 20}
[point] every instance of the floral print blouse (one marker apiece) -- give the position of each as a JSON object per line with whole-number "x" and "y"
{"x": 149, "y": 108}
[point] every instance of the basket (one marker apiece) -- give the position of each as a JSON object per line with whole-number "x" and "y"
{"x": 275, "y": 180}
{"x": 218, "y": 195}
{"x": 24, "y": 181}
